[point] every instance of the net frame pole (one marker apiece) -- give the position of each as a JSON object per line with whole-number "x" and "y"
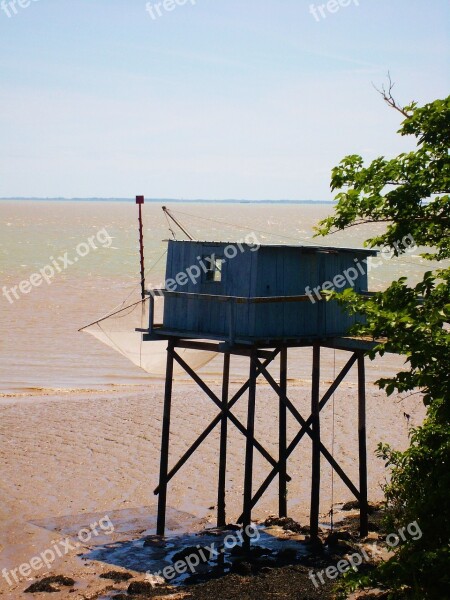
{"x": 140, "y": 202}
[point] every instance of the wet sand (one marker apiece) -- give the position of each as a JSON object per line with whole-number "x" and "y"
{"x": 71, "y": 459}
{"x": 80, "y": 426}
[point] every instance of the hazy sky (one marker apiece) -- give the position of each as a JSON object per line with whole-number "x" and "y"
{"x": 213, "y": 99}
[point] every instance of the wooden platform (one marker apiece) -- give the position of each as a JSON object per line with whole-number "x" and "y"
{"x": 338, "y": 342}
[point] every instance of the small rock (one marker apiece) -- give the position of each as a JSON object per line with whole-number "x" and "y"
{"x": 155, "y": 541}
{"x": 354, "y": 505}
{"x": 285, "y": 523}
{"x": 157, "y": 580}
{"x": 332, "y": 539}
{"x": 241, "y": 568}
{"x": 140, "y": 588}
{"x": 306, "y": 530}
{"x": 45, "y": 585}
{"x": 116, "y": 576}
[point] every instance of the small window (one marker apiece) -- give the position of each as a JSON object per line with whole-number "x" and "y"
{"x": 214, "y": 264}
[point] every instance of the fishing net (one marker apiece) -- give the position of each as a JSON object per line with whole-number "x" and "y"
{"x": 118, "y": 332}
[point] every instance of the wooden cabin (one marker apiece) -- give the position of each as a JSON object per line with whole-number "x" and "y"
{"x": 250, "y": 298}
{"x": 242, "y": 292}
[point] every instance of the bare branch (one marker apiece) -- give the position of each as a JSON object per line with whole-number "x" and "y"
{"x": 388, "y": 97}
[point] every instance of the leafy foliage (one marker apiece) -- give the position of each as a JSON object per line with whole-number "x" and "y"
{"x": 411, "y": 321}
{"x": 410, "y": 193}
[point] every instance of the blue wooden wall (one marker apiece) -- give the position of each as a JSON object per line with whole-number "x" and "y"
{"x": 238, "y": 279}
{"x": 269, "y": 271}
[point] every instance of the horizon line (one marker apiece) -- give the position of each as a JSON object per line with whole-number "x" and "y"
{"x": 159, "y": 200}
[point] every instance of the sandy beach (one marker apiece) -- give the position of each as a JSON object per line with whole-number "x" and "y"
{"x": 72, "y": 459}
{"x": 80, "y": 425}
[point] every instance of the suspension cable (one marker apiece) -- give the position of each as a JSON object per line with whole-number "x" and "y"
{"x": 288, "y": 237}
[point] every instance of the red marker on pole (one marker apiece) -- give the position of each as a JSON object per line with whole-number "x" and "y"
{"x": 140, "y": 202}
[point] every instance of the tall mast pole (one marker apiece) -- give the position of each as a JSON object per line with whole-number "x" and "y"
{"x": 140, "y": 202}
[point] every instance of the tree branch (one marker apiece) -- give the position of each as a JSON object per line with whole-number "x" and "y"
{"x": 436, "y": 219}
{"x": 388, "y": 97}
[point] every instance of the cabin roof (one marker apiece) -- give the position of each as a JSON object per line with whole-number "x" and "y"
{"x": 300, "y": 247}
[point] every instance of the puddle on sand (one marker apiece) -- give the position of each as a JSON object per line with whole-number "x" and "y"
{"x": 199, "y": 556}
{"x": 118, "y": 523}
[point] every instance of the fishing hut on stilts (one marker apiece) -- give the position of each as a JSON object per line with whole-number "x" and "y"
{"x": 243, "y": 299}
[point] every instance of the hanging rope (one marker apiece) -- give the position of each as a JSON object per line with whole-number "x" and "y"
{"x": 169, "y": 226}
{"x": 113, "y": 311}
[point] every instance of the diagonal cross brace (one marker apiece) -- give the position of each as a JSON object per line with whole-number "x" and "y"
{"x": 217, "y": 419}
{"x": 305, "y": 429}
{"x": 213, "y": 424}
{"x": 216, "y": 401}
{"x": 302, "y": 422}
